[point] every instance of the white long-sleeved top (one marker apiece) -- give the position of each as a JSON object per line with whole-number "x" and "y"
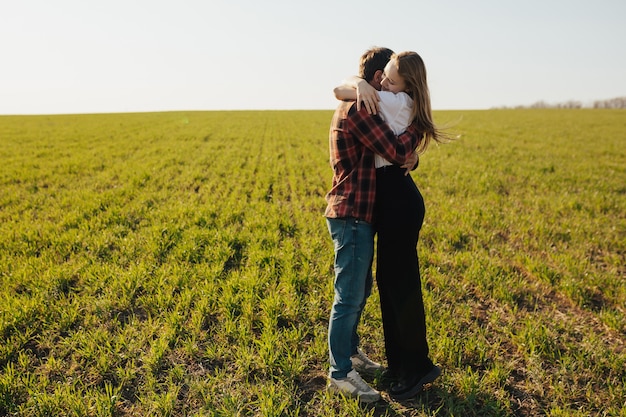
{"x": 395, "y": 109}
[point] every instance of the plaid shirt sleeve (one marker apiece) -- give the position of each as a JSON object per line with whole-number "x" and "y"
{"x": 378, "y": 137}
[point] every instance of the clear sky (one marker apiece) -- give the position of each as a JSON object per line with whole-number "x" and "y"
{"x": 87, "y": 56}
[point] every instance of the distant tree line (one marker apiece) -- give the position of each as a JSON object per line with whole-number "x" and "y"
{"x": 571, "y": 104}
{"x": 613, "y": 103}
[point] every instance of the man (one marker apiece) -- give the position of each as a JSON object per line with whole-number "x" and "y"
{"x": 355, "y": 137}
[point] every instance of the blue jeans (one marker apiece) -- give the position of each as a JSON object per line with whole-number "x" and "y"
{"x": 354, "y": 250}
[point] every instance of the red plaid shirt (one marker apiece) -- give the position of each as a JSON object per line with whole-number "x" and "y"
{"x": 354, "y": 139}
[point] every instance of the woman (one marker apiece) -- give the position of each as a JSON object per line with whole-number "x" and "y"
{"x": 399, "y": 216}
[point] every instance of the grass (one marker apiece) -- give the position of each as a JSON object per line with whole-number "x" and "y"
{"x": 174, "y": 264}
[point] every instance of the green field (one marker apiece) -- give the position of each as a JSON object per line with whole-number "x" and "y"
{"x": 178, "y": 264}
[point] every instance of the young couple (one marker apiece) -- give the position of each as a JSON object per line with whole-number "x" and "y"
{"x": 372, "y": 194}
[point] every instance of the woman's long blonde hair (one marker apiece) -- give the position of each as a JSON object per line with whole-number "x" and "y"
{"x": 412, "y": 69}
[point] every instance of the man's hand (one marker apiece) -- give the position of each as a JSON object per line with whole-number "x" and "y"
{"x": 411, "y": 163}
{"x": 367, "y": 95}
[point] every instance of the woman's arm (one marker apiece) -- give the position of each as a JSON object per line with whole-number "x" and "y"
{"x": 343, "y": 92}
{"x": 355, "y": 88}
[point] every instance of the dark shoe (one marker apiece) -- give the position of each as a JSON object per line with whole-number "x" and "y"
{"x": 387, "y": 378}
{"x": 409, "y": 387}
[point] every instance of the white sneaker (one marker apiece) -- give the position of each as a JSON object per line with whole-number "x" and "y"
{"x": 353, "y": 386}
{"x": 365, "y": 365}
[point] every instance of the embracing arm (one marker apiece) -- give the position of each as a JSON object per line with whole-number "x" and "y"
{"x": 355, "y": 88}
{"x": 411, "y": 163}
{"x": 344, "y": 92}
{"x": 376, "y": 135}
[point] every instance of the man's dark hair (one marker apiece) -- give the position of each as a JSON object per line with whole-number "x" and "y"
{"x": 373, "y": 60}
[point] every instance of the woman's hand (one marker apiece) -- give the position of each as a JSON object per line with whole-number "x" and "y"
{"x": 368, "y": 96}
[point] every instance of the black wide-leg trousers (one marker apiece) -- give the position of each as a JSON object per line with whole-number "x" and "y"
{"x": 399, "y": 216}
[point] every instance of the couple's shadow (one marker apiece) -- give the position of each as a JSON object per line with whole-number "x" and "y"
{"x": 428, "y": 401}
{"x": 436, "y": 400}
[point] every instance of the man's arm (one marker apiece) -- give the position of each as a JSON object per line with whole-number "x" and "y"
{"x": 377, "y": 136}
{"x": 411, "y": 164}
